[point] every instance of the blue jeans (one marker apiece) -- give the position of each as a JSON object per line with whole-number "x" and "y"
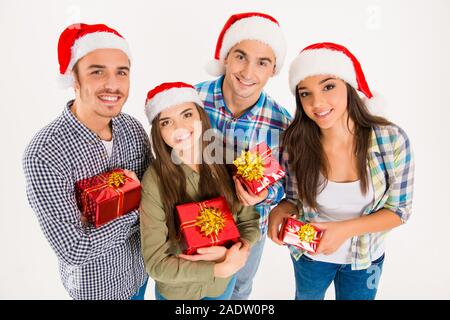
{"x": 224, "y": 296}
{"x": 141, "y": 292}
{"x": 244, "y": 282}
{"x": 312, "y": 279}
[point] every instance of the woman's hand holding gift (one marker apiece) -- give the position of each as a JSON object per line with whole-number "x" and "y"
{"x": 334, "y": 235}
{"x": 215, "y": 253}
{"x": 284, "y": 209}
{"x": 235, "y": 259}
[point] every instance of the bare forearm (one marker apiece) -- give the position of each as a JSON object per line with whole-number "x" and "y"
{"x": 379, "y": 221}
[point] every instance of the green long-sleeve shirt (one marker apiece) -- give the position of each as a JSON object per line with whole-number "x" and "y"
{"x": 177, "y": 278}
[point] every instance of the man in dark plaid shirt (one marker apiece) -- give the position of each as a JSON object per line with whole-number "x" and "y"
{"x": 91, "y": 136}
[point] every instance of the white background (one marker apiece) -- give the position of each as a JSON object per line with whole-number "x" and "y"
{"x": 403, "y": 47}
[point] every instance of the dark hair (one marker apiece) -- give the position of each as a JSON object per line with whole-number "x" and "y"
{"x": 214, "y": 178}
{"x": 302, "y": 140}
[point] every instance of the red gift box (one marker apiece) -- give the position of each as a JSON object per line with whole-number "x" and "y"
{"x": 247, "y": 172}
{"x": 206, "y": 224}
{"x": 107, "y": 196}
{"x": 302, "y": 235}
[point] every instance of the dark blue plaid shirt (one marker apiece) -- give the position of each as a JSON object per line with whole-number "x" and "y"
{"x": 103, "y": 263}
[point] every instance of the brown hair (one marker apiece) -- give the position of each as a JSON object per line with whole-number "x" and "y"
{"x": 302, "y": 140}
{"x": 214, "y": 178}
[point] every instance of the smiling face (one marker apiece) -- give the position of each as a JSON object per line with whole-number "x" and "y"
{"x": 102, "y": 82}
{"x": 249, "y": 65}
{"x": 179, "y": 126}
{"x": 324, "y": 100}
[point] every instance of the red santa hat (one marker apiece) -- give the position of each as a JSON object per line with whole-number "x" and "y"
{"x": 169, "y": 94}
{"x": 248, "y": 26}
{"x": 78, "y": 40}
{"x": 333, "y": 59}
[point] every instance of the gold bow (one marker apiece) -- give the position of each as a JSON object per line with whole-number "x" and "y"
{"x": 249, "y": 165}
{"x": 306, "y": 233}
{"x": 116, "y": 179}
{"x": 210, "y": 220}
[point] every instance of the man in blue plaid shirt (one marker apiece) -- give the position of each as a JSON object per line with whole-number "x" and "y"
{"x": 91, "y": 136}
{"x": 251, "y": 48}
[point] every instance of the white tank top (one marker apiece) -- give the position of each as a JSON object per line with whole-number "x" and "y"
{"x": 339, "y": 202}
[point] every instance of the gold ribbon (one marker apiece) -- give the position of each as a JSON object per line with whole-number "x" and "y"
{"x": 250, "y": 165}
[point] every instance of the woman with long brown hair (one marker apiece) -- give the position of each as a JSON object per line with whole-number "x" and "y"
{"x": 179, "y": 175}
{"x": 351, "y": 175}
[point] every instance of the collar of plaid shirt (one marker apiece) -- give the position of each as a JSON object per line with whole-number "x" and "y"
{"x": 219, "y": 101}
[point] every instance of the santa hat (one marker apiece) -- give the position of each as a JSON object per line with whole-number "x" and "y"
{"x": 78, "y": 40}
{"x": 334, "y": 59}
{"x": 248, "y": 26}
{"x": 169, "y": 94}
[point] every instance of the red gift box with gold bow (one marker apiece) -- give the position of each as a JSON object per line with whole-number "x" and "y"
{"x": 107, "y": 196}
{"x": 257, "y": 168}
{"x": 206, "y": 224}
{"x": 302, "y": 235}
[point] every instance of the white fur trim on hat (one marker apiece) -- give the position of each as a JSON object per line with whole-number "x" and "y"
{"x": 88, "y": 43}
{"x": 319, "y": 62}
{"x": 170, "y": 98}
{"x": 253, "y": 28}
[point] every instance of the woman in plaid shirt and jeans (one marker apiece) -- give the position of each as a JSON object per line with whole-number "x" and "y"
{"x": 350, "y": 175}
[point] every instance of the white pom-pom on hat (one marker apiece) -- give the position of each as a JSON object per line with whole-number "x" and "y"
{"x": 215, "y": 68}
{"x": 65, "y": 80}
{"x": 377, "y": 104}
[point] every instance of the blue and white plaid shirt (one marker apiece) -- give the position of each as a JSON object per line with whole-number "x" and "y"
{"x": 263, "y": 122}
{"x": 103, "y": 263}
